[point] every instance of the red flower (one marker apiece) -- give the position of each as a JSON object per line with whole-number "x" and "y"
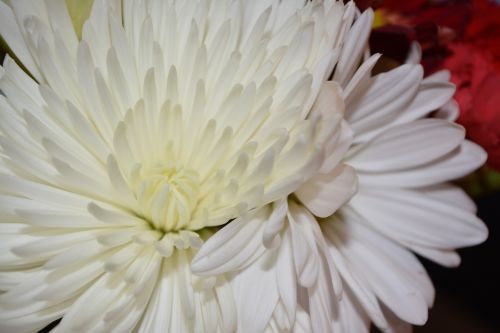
{"x": 478, "y": 84}
{"x": 484, "y": 28}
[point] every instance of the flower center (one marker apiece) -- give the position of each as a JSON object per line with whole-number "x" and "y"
{"x": 167, "y": 194}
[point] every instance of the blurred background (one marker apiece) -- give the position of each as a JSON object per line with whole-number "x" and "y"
{"x": 462, "y": 36}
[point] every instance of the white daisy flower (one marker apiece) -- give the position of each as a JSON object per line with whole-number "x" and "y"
{"x": 337, "y": 254}
{"x": 121, "y": 152}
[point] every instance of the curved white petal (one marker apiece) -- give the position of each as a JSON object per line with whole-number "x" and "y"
{"x": 408, "y": 145}
{"x": 427, "y": 222}
{"x": 384, "y": 98}
{"x": 323, "y": 194}
{"x": 250, "y": 296}
{"x": 242, "y": 237}
{"x": 393, "y": 273}
{"x": 354, "y": 48}
{"x": 454, "y": 165}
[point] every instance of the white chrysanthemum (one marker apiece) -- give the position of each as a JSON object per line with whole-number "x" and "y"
{"x": 119, "y": 150}
{"x": 337, "y": 254}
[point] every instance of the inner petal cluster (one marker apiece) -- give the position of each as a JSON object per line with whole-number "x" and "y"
{"x": 167, "y": 193}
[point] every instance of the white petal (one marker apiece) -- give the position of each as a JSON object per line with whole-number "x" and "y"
{"x": 360, "y": 80}
{"x": 285, "y": 276}
{"x": 389, "y": 276}
{"x": 384, "y": 98}
{"x": 329, "y": 100}
{"x": 454, "y": 165}
{"x": 452, "y": 195}
{"x": 415, "y": 54}
{"x": 446, "y": 258}
{"x": 250, "y": 296}
{"x": 408, "y": 145}
{"x": 232, "y": 247}
{"x": 417, "y": 220}
{"x": 354, "y": 282}
{"x": 352, "y": 317}
{"x": 450, "y": 111}
{"x": 353, "y": 50}
{"x": 325, "y": 193}
{"x": 276, "y": 221}
{"x": 337, "y": 147}
{"x": 12, "y": 34}
{"x": 431, "y": 96}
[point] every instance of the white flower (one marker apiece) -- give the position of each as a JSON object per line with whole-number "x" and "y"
{"x": 337, "y": 254}
{"x": 122, "y": 151}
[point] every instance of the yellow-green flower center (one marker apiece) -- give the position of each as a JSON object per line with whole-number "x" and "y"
{"x": 168, "y": 194}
